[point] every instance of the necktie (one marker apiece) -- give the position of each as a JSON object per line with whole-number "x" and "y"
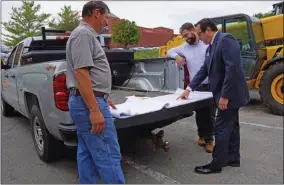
{"x": 210, "y": 48}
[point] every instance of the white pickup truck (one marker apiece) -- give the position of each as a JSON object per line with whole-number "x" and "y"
{"x": 33, "y": 84}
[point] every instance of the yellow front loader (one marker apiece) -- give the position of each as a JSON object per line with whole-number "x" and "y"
{"x": 261, "y": 42}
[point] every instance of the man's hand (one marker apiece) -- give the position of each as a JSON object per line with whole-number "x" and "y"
{"x": 85, "y": 88}
{"x": 184, "y": 95}
{"x": 223, "y": 103}
{"x": 111, "y": 103}
{"x": 97, "y": 121}
{"x": 180, "y": 60}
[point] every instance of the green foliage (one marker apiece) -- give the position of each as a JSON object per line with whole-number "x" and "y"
{"x": 68, "y": 20}
{"x": 146, "y": 54}
{"x": 26, "y": 21}
{"x": 263, "y": 15}
{"x": 125, "y": 32}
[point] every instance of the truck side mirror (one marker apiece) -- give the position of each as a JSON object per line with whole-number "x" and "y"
{"x": 4, "y": 66}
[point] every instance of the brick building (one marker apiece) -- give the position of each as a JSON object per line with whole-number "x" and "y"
{"x": 149, "y": 37}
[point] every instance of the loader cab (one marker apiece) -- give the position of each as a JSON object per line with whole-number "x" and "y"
{"x": 249, "y": 33}
{"x": 278, "y": 8}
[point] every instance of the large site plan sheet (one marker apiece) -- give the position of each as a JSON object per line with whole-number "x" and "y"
{"x": 141, "y": 105}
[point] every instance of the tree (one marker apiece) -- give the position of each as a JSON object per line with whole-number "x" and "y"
{"x": 263, "y": 15}
{"x": 68, "y": 19}
{"x": 26, "y": 21}
{"x": 125, "y": 32}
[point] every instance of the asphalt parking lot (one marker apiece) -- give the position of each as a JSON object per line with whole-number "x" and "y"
{"x": 261, "y": 152}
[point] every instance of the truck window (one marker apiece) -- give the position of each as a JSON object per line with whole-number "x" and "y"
{"x": 107, "y": 41}
{"x": 11, "y": 57}
{"x": 17, "y": 56}
{"x": 239, "y": 29}
{"x": 48, "y": 45}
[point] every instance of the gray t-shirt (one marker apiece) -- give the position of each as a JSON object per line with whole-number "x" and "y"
{"x": 84, "y": 50}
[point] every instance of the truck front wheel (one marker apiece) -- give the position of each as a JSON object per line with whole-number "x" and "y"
{"x": 47, "y": 147}
{"x": 271, "y": 88}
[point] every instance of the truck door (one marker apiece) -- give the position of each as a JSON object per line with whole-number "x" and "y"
{"x": 11, "y": 77}
{"x": 239, "y": 27}
{"x": 6, "y": 78}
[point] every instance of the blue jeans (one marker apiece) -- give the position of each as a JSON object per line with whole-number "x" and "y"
{"x": 98, "y": 155}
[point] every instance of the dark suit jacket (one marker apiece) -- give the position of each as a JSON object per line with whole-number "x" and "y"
{"x": 225, "y": 72}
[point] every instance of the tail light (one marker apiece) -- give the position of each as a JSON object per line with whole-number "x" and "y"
{"x": 61, "y": 95}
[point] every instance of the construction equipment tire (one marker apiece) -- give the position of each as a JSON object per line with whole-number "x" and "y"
{"x": 271, "y": 88}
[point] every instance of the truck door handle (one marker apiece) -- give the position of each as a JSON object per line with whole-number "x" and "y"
{"x": 6, "y": 76}
{"x": 13, "y": 76}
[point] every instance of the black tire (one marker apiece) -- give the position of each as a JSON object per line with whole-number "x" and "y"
{"x": 267, "y": 98}
{"x": 7, "y": 110}
{"x": 51, "y": 148}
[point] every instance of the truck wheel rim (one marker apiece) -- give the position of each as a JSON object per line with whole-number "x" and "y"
{"x": 277, "y": 88}
{"x": 38, "y": 134}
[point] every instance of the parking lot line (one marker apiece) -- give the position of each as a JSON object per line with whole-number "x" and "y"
{"x": 150, "y": 172}
{"x": 260, "y": 125}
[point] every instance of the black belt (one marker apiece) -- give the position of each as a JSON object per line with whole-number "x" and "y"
{"x": 76, "y": 92}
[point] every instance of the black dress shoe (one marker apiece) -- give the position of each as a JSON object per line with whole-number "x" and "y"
{"x": 234, "y": 163}
{"x": 207, "y": 169}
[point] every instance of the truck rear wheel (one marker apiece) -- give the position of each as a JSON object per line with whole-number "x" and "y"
{"x": 271, "y": 88}
{"x": 7, "y": 110}
{"x": 47, "y": 147}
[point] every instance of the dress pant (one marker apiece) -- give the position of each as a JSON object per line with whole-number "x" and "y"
{"x": 98, "y": 155}
{"x": 227, "y": 138}
{"x": 205, "y": 118}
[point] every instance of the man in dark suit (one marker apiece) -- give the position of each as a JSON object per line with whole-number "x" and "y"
{"x": 223, "y": 66}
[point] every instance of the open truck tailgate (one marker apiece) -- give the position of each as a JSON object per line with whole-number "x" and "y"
{"x": 156, "y": 119}
{"x": 145, "y": 125}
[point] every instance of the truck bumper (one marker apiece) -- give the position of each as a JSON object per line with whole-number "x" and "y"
{"x": 68, "y": 134}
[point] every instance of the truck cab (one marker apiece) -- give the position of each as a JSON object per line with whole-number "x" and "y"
{"x": 248, "y": 31}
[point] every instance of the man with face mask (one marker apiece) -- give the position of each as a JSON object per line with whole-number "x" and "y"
{"x": 89, "y": 84}
{"x": 192, "y": 55}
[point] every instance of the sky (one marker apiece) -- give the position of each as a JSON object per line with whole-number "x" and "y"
{"x": 170, "y": 14}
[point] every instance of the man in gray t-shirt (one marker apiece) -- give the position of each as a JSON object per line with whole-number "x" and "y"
{"x": 89, "y": 84}
{"x": 84, "y": 50}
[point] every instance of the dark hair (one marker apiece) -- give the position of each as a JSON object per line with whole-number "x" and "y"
{"x": 206, "y": 22}
{"x": 91, "y": 5}
{"x": 186, "y": 26}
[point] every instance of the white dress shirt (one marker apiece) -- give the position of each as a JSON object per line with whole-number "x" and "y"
{"x": 194, "y": 57}
{"x": 213, "y": 37}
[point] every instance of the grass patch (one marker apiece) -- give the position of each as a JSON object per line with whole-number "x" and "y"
{"x": 146, "y": 54}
